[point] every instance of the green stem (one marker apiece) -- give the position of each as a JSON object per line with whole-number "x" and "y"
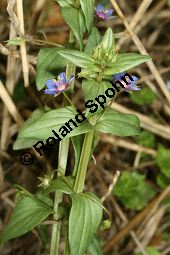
{"x": 38, "y": 41}
{"x": 107, "y": 107}
{"x": 68, "y": 99}
{"x": 83, "y": 163}
{"x": 62, "y": 162}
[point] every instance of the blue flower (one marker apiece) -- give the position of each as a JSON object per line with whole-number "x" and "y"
{"x": 58, "y": 85}
{"x": 103, "y": 13}
{"x": 131, "y": 86}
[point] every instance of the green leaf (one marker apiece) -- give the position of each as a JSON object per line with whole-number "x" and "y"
{"x": 16, "y": 41}
{"x": 92, "y": 88}
{"x": 95, "y": 247}
{"x": 108, "y": 41}
{"x": 117, "y": 123}
{"x": 93, "y": 40}
{"x": 133, "y": 191}
{"x": 151, "y": 251}
{"x": 77, "y": 142}
{"x": 48, "y": 65}
{"x": 168, "y": 3}
{"x": 126, "y": 61}
{"x": 64, "y": 185}
{"x": 143, "y": 97}
{"x": 88, "y": 10}
{"x": 162, "y": 159}
{"x": 41, "y": 128}
{"x": 84, "y": 220}
{"x": 28, "y": 213}
{"x": 162, "y": 181}
{"x": 80, "y": 59}
{"x": 28, "y": 142}
{"x": 71, "y": 17}
{"x": 147, "y": 139}
{"x": 64, "y": 3}
{"x": 82, "y": 22}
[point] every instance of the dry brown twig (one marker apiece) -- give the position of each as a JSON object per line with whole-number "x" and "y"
{"x": 142, "y": 50}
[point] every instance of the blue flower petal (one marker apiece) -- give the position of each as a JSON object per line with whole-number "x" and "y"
{"x": 132, "y": 88}
{"x": 50, "y": 91}
{"x": 99, "y": 7}
{"x": 118, "y": 76}
{"x": 50, "y": 83}
{"x": 109, "y": 12}
{"x": 70, "y": 79}
{"x": 62, "y": 77}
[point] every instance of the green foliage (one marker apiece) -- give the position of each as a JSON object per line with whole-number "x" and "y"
{"x": 166, "y": 202}
{"x": 84, "y": 220}
{"x": 65, "y": 3}
{"x": 104, "y": 53}
{"x": 93, "y": 40}
{"x": 162, "y": 160}
{"x": 147, "y": 139}
{"x": 133, "y": 191}
{"x": 143, "y": 97}
{"x": 74, "y": 23}
{"x": 28, "y": 213}
{"x": 21, "y": 142}
{"x": 117, "y": 123}
{"x": 80, "y": 59}
{"x": 16, "y": 41}
{"x": 126, "y": 61}
{"x": 92, "y": 89}
{"x": 88, "y": 9}
{"x": 95, "y": 247}
{"x": 41, "y": 124}
{"x": 77, "y": 142}
{"x": 162, "y": 180}
{"x": 20, "y": 92}
{"x": 108, "y": 41}
{"x": 166, "y": 236}
{"x": 98, "y": 62}
{"x": 48, "y": 64}
{"x": 62, "y": 184}
{"x": 150, "y": 251}
{"x": 168, "y": 3}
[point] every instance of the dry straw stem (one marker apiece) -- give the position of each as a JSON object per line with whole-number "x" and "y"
{"x": 117, "y": 207}
{"x": 10, "y": 87}
{"x": 149, "y": 210}
{"x": 18, "y": 119}
{"x": 146, "y": 122}
{"x": 138, "y": 15}
{"x": 132, "y": 232}
{"x": 127, "y": 145}
{"x": 10, "y": 105}
{"x": 25, "y": 65}
{"x": 152, "y": 225}
{"x": 18, "y": 24}
{"x": 142, "y": 50}
{"x": 36, "y": 14}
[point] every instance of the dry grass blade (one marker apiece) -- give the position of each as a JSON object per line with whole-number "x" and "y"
{"x": 10, "y": 105}
{"x": 146, "y": 122}
{"x": 142, "y": 50}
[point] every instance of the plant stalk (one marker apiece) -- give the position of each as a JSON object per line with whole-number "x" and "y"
{"x": 62, "y": 162}
{"x": 83, "y": 163}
